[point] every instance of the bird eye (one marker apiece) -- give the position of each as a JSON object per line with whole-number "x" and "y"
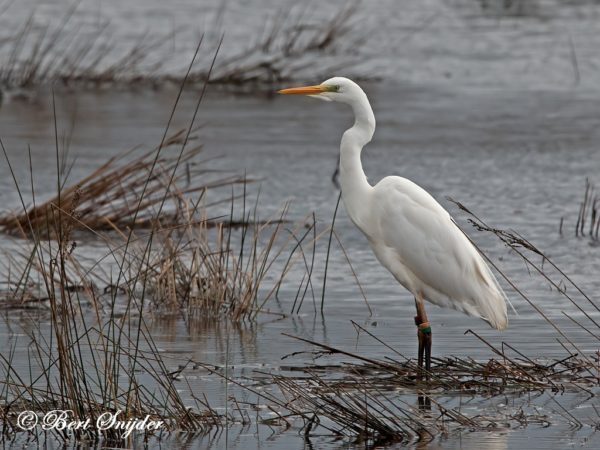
{"x": 337, "y": 88}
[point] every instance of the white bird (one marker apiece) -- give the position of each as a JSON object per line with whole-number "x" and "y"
{"x": 411, "y": 234}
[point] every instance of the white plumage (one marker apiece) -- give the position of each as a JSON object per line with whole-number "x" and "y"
{"x": 419, "y": 243}
{"x": 412, "y": 235}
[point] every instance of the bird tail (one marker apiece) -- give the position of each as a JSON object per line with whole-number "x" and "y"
{"x": 491, "y": 300}
{"x": 494, "y": 301}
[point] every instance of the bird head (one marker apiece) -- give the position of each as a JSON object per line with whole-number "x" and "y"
{"x": 338, "y": 89}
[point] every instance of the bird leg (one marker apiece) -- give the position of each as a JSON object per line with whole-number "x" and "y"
{"x": 424, "y": 336}
{"x": 424, "y": 403}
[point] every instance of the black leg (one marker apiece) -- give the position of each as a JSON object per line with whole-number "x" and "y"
{"x": 421, "y": 352}
{"x": 424, "y": 335}
{"x": 427, "y": 338}
{"x": 424, "y": 403}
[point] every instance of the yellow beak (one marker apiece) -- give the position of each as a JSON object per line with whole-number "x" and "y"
{"x": 304, "y": 90}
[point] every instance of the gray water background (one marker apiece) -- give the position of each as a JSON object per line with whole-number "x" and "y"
{"x": 481, "y": 104}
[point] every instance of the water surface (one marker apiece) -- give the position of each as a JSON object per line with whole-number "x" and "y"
{"x": 482, "y": 105}
{"x": 508, "y": 155}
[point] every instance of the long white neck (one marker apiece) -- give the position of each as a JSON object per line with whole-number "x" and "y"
{"x": 355, "y": 187}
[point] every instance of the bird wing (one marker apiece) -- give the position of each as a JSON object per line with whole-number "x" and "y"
{"x": 432, "y": 253}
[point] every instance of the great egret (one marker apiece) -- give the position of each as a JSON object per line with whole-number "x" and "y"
{"x": 411, "y": 234}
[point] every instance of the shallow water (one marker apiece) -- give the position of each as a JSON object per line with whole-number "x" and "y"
{"x": 507, "y": 155}
{"x": 511, "y": 133}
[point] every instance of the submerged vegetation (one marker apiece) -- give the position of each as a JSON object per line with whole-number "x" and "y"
{"x": 359, "y": 398}
{"x": 587, "y": 223}
{"x": 588, "y": 218}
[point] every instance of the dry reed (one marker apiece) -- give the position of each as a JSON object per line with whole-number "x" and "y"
{"x": 98, "y": 354}
{"x": 588, "y": 217}
{"x": 72, "y": 53}
{"x": 105, "y": 199}
{"x": 370, "y": 401}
